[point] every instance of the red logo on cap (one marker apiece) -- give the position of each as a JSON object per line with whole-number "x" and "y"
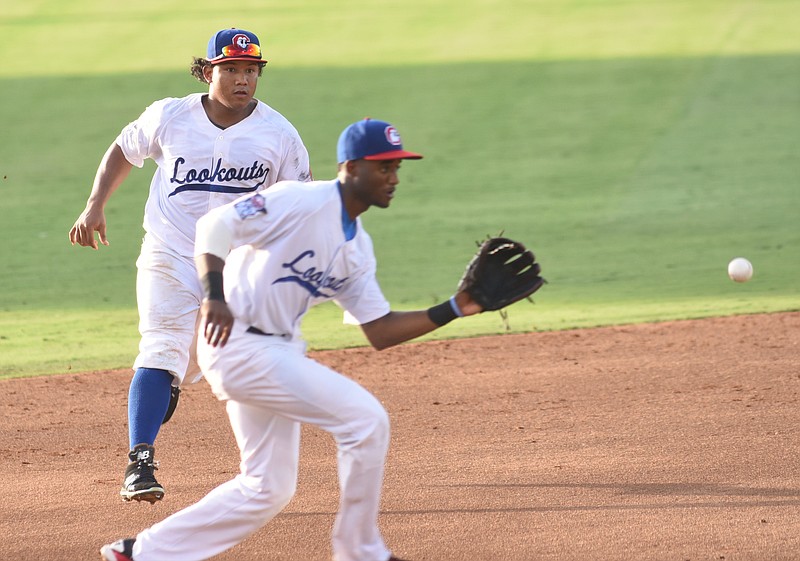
{"x": 241, "y": 41}
{"x": 393, "y": 136}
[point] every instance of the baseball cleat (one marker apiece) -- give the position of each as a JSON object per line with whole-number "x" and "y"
{"x": 140, "y": 484}
{"x": 120, "y": 550}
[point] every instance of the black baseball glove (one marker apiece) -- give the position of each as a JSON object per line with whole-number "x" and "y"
{"x": 501, "y": 273}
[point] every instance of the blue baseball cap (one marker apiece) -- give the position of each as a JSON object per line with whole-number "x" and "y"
{"x": 370, "y": 139}
{"x": 233, "y": 44}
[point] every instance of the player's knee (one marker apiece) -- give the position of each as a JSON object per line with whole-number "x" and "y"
{"x": 381, "y": 427}
{"x": 277, "y": 496}
{"x": 167, "y": 352}
{"x": 272, "y": 491}
{"x": 283, "y": 487}
{"x": 374, "y": 429}
{"x": 282, "y": 496}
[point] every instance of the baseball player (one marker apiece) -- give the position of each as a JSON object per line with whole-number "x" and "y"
{"x": 210, "y": 149}
{"x": 284, "y": 251}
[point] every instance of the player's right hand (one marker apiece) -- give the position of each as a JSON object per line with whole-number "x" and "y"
{"x": 89, "y": 222}
{"x": 216, "y": 322}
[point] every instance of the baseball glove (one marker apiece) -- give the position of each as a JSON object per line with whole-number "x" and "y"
{"x": 501, "y": 273}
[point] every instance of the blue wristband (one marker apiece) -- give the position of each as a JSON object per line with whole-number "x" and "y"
{"x": 455, "y": 307}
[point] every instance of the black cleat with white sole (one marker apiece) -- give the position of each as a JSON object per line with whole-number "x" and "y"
{"x": 140, "y": 483}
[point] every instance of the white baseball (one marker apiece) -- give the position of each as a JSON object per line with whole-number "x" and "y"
{"x": 740, "y": 270}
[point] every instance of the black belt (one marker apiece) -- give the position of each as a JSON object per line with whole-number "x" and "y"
{"x": 257, "y": 331}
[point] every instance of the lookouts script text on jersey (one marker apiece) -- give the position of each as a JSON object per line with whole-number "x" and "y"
{"x": 201, "y": 166}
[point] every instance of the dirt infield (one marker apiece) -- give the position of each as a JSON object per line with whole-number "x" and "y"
{"x": 671, "y": 441}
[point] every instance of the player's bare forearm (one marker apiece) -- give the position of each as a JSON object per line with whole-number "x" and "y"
{"x": 398, "y": 327}
{"x": 113, "y": 170}
{"x": 208, "y": 263}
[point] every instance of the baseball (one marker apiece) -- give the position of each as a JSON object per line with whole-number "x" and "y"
{"x": 740, "y": 270}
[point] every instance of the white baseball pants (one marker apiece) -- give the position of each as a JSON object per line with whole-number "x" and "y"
{"x": 168, "y": 294}
{"x": 271, "y": 387}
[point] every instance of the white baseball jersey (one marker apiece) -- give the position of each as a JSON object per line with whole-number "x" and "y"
{"x": 201, "y": 166}
{"x": 295, "y": 247}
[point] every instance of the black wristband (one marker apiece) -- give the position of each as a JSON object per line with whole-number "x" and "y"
{"x": 442, "y": 314}
{"x": 212, "y": 286}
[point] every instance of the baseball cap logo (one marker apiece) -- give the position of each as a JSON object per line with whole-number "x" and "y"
{"x": 241, "y": 41}
{"x": 393, "y": 136}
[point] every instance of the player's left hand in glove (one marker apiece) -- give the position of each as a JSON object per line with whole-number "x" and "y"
{"x": 502, "y": 272}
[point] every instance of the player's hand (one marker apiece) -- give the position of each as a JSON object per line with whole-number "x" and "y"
{"x": 467, "y": 304}
{"x": 90, "y": 221}
{"x": 216, "y": 322}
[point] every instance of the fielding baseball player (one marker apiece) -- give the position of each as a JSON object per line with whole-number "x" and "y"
{"x": 284, "y": 251}
{"x": 210, "y": 149}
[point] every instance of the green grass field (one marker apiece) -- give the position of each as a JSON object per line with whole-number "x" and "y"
{"x": 636, "y": 146}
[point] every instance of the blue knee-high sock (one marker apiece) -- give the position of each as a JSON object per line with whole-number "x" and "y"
{"x": 148, "y": 400}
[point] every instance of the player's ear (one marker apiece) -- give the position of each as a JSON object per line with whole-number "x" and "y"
{"x": 351, "y": 167}
{"x": 208, "y": 72}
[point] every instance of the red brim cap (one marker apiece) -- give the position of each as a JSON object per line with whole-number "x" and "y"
{"x": 395, "y": 155}
{"x": 232, "y": 58}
